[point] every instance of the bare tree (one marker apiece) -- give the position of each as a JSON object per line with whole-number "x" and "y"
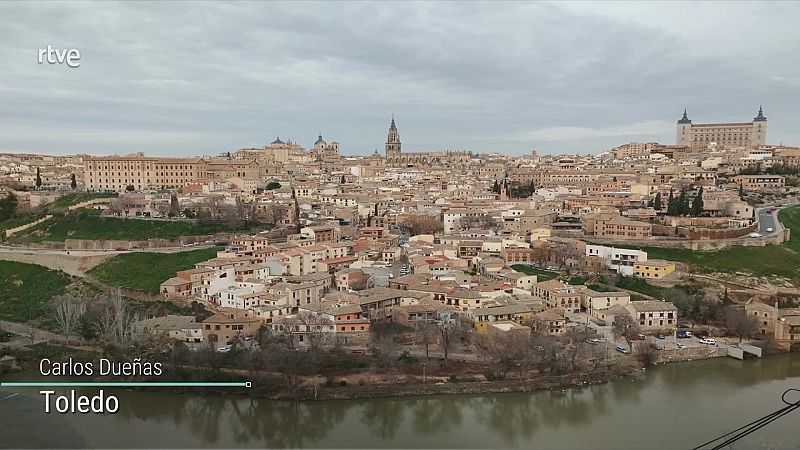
{"x": 116, "y": 322}
{"x": 646, "y": 353}
{"x": 274, "y": 213}
{"x": 115, "y": 207}
{"x": 285, "y": 357}
{"x": 420, "y": 224}
{"x": 448, "y": 330}
{"x": 384, "y": 349}
{"x": 426, "y": 334}
{"x": 577, "y": 344}
{"x": 121, "y": 205}
{"x": 507, "y": 349}
{"x": 598, "y": 356}
{"x": 543, "y": 350}
{"x": 738, "y": 323}
{"x": 626, "y": 327}
{"x": 215, "y": 205}
{"x": 68, "y": 311}
{"x": 317, "y": 328}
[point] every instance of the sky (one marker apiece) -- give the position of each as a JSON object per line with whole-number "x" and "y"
{"x": 204, "y": 78}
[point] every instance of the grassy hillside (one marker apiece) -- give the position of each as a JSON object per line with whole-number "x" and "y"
{"x": 88, "y": 224}
{"x": 26, "y": 289}
{"x": 782, "y": 260}
{"x": 146, "y": 271}
{"x": 57, "y": 207}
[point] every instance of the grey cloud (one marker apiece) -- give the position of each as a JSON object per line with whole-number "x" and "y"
{"x": 479, "y": 76}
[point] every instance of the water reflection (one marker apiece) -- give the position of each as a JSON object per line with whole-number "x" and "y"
{"x": 579, "y": 417}
{"x": 438, "y": 414}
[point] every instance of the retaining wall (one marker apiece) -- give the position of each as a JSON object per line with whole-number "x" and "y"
{"x": 11, "y": 231}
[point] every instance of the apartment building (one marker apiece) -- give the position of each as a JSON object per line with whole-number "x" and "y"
{"x": 653, "y": 315}
{"x": 758, "y": 182}
{"x": 556, "y": 294}
{"x": 614, "y": 226}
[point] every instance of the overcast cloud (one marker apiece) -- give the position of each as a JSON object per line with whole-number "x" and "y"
{"x": 203, "y": 78}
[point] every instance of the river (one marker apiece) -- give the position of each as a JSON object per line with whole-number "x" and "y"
{"x": 677, "y": 405}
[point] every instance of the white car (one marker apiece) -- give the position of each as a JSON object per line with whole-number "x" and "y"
{"x": 680, "y": 346}
{"x": 769, "y": 230}
{"x": 224, "y": 349}
{"x": 708, "y": 341}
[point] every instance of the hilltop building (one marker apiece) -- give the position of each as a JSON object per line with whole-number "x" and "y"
{"x": 396, "y": 158}
{"x": 746, "y": 134}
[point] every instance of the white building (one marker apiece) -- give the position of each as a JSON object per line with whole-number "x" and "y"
{"x": 618, "y": 260}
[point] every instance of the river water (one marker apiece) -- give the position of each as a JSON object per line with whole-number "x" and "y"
{"x": 672, "y": 406}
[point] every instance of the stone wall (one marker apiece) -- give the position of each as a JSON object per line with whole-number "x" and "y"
{"x": 703, "y": 232}
{"x": 692, "y": 244}
{"x": 100, "y": 244}
{"x": 12, "y": 231}
{"x": 94, "y": 201}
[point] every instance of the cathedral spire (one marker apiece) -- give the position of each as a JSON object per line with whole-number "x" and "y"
{"x": 392, "y": 126}
{"x": 685, "y": 118}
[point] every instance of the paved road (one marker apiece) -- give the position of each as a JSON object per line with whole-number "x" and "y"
{"x": 25, "y": 331}
{"x": 768, "y": 219}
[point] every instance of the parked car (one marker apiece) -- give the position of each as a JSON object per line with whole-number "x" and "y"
{"x": 770, "y": 230}
{"x": 224, "y": 349}
{"x": 641, "y": 337}
{"x": 683, "y": 333}
{"x": 655, "y": 346}
{"x": 596, "y": 340}
{"x": 622, "y": 349}
{"x": 660, "y": 336}
{"x": 680, "y": 346}
{"x": 708, "y": 341}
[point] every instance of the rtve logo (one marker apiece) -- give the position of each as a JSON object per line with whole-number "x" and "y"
{"x": 70, "y": 57}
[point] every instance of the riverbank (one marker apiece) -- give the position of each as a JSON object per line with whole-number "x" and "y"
{"x": 368, "y": 391}
{"x": 460, "y": 378}
{"x": 664, "y": 403}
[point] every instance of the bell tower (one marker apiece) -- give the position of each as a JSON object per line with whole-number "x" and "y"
{"x": 393, "y": 141}
{"x": 683, "y": 135}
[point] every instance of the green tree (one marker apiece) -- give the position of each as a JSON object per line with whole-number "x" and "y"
{"x": 38, "y": 178}
{"x": 174, "y": 206}
{"x": 496, "y": 187}
{"x": 344, "y": 180}
{"x": 74, "y": 182}
{"x": 672, "y": 210}
{"x": 697, "y": 203}
{"x": 8, "y": 206}
{"x": 741, "y": 191}
{"x": 130, "y": 188}
{"x": 272, "y": 185}
{"x": 657, "y": 201}
{"x": 683, "y": 203}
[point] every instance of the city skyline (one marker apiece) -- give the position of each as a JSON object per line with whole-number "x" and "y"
{"x": 455, "y": 78}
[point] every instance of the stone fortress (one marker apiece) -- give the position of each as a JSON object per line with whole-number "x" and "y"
{"x": 700, "y": 135}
